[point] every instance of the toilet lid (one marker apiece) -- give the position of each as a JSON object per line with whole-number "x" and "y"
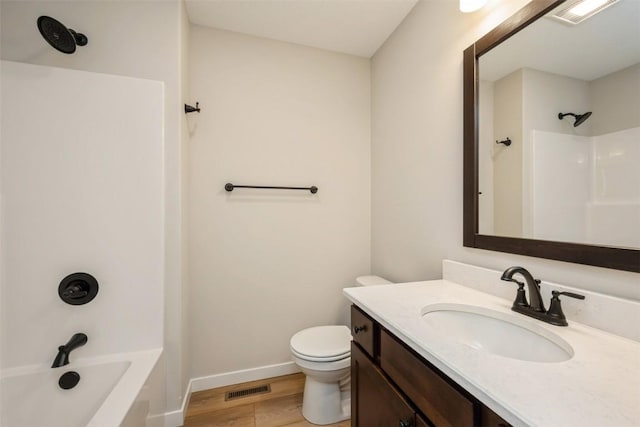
{"x": 322, "y": 342}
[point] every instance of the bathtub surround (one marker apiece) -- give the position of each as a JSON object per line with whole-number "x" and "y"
{"x": 80, "y": 194}
{"x": 273, "y": 262}
{"x": 142, "y": 39}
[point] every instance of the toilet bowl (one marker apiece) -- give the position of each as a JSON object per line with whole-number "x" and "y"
{"x": 323, "y": 354}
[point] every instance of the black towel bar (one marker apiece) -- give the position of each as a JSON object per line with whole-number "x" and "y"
{"x": 229, "y": 187}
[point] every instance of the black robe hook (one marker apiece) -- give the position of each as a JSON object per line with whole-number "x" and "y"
{"x": 189, "y": 109}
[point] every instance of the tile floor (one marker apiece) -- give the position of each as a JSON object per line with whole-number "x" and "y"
{"x": 281, "y": 407}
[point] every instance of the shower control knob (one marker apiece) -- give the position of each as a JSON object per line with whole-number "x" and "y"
{"x": 78, "y": 288}
{"x": 358, "y": 329}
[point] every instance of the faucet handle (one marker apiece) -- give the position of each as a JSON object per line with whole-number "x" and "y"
{"x": 555, "y": 309}
{"x": 521, "y": 296}
{"x": 569, "y": 294}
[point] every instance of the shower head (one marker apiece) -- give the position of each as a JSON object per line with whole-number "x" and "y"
{"x": 580, "y": 118}
{"x": 60, "y": 37}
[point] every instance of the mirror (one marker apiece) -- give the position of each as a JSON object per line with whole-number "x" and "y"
{"x": 542, "y": 177}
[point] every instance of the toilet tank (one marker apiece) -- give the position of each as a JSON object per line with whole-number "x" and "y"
{"x": 371, "y": 281}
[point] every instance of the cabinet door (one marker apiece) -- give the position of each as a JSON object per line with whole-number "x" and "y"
{"x": 374, "y": 401}
{"x": 432, "y": 395}
{"x": 421, "y": 422}
{"x": 488, "y": 418}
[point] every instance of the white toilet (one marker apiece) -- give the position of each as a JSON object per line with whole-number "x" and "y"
{"x": 323, "y": 353}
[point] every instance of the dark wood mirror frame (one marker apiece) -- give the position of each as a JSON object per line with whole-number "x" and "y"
{"x": 601, "y": 256}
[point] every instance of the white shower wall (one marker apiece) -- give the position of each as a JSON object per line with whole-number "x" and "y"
{"x": 82, "y": 191}
{"x": 613, "y": 215}
{"x": 586, "y": 189}
{"x": 560, "y": 185}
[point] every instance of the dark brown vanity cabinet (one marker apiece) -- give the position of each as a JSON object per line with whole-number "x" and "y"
{"x": 392, "y": 386}
{"x": 376, "y": 400}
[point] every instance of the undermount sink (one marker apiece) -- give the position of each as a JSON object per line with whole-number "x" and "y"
{"x": 496, "y": 332}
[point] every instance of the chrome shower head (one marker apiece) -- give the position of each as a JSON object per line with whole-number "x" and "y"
{"x": 580, "y": 118}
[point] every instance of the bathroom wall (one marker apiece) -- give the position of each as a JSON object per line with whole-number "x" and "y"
{"x": 615, "y": 99}
{"x": 417, "y": 154}
{"x": 181, "y": 350}
{"x": 144, "y": 39}
{"x": 80, "y": 195}
{"x": 507, "y": 161}
{"x": 486, "y": 149}
{"x": 266, "y": 264}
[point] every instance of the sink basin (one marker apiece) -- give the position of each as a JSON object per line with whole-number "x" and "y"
{"x": 499, "y": 333}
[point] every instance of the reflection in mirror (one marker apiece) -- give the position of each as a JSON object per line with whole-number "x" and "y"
{"x": 557, "y": 181}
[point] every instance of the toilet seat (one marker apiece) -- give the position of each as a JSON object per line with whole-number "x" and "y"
{"x": 324, "y": 366}
{"x": 322, "y": 343}
{"x": 320, "y": 359}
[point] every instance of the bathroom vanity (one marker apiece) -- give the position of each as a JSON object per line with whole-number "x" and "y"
{"x": 379, "y": 360}
{"x": 411, "y": 368}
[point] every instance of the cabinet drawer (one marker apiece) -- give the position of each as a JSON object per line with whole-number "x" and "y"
{"x": 363, "y": 332}
{"x": 435, "y": 397}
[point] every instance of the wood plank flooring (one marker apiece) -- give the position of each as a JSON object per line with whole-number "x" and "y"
{"x": 281, "y": 407}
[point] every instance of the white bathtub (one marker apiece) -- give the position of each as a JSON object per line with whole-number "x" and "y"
{"x": 109, "y": 385}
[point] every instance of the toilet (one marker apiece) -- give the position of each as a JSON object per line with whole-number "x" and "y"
{"x": 323, "y": 353}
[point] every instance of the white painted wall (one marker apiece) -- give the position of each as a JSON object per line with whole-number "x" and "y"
{"x": 144, "y": 39}
{"x": 82, "y": 191}
{"x": 417, "y": 154}
{"x": 507, "y": 161}
{"x": 266, "y": 264}
{"x": 182, "y": 350}
{"x": 487, "y": 148}
{"x": 615, "y": 100}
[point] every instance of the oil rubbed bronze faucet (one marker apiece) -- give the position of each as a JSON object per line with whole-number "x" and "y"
{"x": 62, "y": 358}
{"x": 536, "y": 309}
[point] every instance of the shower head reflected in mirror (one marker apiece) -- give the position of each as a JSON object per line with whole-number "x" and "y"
{"x": 580, "y": 118}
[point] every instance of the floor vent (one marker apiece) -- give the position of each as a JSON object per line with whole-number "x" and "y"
{"x": 239, "y": 394}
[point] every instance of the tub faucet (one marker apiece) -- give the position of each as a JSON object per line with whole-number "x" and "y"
{"x": 533, "y": 286}
{"x": 62, "y": 358}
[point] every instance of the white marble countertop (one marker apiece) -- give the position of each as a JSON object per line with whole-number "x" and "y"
{"x": 598, "y": 386}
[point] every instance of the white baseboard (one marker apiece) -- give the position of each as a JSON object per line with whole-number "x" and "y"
{"x": 176, "y": 418}
{"x": 242, "y": 376}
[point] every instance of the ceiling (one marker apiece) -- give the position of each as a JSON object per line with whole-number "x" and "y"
{"x": 604, "y": 43}
{"x": 355, "y": 27}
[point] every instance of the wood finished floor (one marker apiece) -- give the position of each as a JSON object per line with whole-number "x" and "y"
{"x": 281, "y": 407}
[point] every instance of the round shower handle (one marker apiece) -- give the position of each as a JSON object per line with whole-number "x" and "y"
{"x": 358, "y": 329}
{"x": 78, "y": 288}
